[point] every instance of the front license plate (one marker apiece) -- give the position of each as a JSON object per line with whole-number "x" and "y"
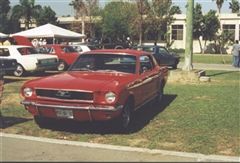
{"x": 64, "y": 113}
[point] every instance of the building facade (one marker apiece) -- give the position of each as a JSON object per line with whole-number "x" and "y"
{"x": 228, "y": 22}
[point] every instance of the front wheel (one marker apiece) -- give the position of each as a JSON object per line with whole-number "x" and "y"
{"x": 19, "y": 71}
{"x": 62, "y": 66}
{"x": 126, "y": 116}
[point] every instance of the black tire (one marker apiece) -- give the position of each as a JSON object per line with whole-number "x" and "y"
{"x": 42, "y": 122}
{"x": 174, "y": 66}
{"x": 61, "y": 66}
{"x": 118, "y": 47}
{"x": 160, "y": 95}
{"x": 19, "y": 71}
{"x": 126, "y": 116}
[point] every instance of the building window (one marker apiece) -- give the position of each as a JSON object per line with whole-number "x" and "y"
{"x": 177, "y": 32}
{"x": 229, "y": 28}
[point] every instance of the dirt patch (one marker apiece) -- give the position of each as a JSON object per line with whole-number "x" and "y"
{"x": 137, "y": 142}
{"x": 203, "y": 98}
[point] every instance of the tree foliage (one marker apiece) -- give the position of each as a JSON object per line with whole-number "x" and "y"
{"x": 234, "y": 5}
{"x": 116, "y": 19}
{"x": 142, "y": 9}
{"x": 46, "y": 15}
{"x": 211, "y": 25}
{"x": 159, "y": 17}
{"x": 4, "y": 9}
{"x": 85, "y": 8}
{"x": 27, "y": 10}
{"x": 198, "y": 24}
{"x": 222, "y": 40}
{"x": 219, "y": 4}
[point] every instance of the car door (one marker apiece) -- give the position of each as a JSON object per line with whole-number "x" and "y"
{"x": 69, "y": 54}
{"x": 165, "y": 57}
{"x": 147, "y": 79}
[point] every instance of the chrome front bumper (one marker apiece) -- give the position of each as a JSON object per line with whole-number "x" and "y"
{"x": 89, "y": 107}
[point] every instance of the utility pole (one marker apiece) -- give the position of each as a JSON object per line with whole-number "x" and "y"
{"x": 189, "y": 37}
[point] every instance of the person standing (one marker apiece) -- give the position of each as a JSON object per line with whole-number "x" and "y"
{"x": 235, "y": 53}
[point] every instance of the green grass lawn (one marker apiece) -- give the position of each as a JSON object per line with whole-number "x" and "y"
{"x": 211, "y": 58}
{"x": 202, "y": 118}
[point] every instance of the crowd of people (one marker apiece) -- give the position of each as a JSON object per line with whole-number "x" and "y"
{"x": 39, "y": 42}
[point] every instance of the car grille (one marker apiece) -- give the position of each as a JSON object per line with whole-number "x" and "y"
{"x": 65, "y": 95}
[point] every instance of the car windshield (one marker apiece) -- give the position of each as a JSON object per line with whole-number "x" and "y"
{"x": 148, "y": 48}
{"x": 105, "y": 63}
{"x": 27, "y": 50}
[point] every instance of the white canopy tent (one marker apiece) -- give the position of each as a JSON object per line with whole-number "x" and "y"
{"x": 49, "y": 31}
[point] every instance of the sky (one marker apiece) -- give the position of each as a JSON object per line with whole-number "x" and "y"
{"x": 61, "y": 7}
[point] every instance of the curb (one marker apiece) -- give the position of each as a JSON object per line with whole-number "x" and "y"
{"x": 197, "y": 156}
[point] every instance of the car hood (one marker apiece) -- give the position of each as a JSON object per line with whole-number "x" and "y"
{"x": 88, "y": 81}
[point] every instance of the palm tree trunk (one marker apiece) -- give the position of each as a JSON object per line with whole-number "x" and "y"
{"x": 140, "y": 32}
{"x": 200, "y": 44}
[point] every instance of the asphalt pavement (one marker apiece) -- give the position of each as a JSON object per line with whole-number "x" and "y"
{"x": 204, "y": 66}
{"x": 28, "y": 148}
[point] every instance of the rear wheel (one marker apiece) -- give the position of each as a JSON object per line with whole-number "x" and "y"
{"x": 19, "y": 71}
{"x": 160, "y": 94}
{"x": 175, "y": 65}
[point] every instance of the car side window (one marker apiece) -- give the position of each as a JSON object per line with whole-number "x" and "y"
{"x": 51, "y": 50}
{"x": 146, "y": 64}
{"x": 4, "y": 52}
{"x": 163, "y": 51}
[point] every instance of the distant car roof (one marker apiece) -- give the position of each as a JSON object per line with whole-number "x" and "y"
{"x": 117, "y": 51}
{"x": 56, "y": 45}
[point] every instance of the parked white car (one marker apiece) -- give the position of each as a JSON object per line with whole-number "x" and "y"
{"x": 81, "y": 48}
{"x": 28, "y": 60}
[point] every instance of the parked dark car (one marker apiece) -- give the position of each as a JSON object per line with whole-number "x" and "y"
{"x": 162, "y": 55}
{"x": 7, "y": 66}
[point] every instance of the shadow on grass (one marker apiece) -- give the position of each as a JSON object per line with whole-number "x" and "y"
{"x": 6, "y": 122}
{"x": 221, "y": 73}
{"x": 8, "y": 80}
{"x": 141, "y": 118}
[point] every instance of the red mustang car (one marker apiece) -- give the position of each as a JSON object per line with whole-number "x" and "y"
{"x": 66, "y": 54}
{"x": 101, "y": 85}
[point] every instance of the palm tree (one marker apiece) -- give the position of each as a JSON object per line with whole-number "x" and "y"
{"x": 27, "y": 10}
{"x": 85, "y": 8}
{"x": 219, "y": 4}
{"x": 143, "y": 7}
{"x": 234, "y": 6}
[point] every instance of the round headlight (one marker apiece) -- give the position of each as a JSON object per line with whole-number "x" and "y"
{"x": 27, "y": 92}
{"x": 110, "y": 97}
